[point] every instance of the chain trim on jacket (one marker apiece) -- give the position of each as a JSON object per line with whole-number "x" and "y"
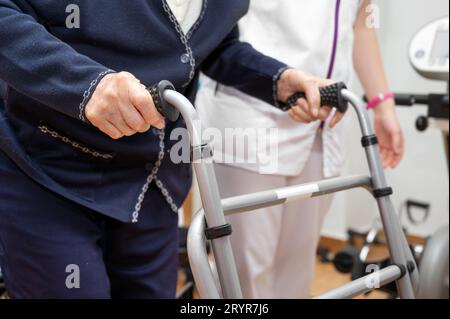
{"x": 199, "y": 20}
{"x": 87, "y": 94}
{"x": 184, "y": 40}
{"x": 166, "y": 194}
{"x": 150, "y": 178}
{"x": 44, "y": 129}
{"x": 276, "y": 78}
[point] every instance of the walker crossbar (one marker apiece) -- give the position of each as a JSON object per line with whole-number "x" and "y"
{"x": 365, "y": 284}
{"x": 403, "y": 270}
{"x": 248, "y": 202}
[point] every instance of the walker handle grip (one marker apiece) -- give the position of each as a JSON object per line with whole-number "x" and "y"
{"x": 166, "y": 109}
{"x": 329, "y": 96}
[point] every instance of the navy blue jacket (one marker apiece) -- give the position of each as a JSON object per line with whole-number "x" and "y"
{"x": 51, "y": 71}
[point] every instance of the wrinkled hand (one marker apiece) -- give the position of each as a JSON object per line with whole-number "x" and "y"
{"x": 306, "y": 110}
{"x": 121, "y": 106}
{"x": 390, "y": 136}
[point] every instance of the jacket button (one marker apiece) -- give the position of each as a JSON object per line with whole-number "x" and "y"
{"x": 185, "y": 58}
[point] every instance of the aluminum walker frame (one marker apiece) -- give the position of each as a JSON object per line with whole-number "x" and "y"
{"x": 210, "y": 222}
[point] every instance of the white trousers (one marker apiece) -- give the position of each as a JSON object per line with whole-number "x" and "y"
{"x": 275, "y": 247}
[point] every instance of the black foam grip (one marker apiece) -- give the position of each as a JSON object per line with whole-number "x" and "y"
{"x": 329, "y": 96}
{"x": 166, "y": 109}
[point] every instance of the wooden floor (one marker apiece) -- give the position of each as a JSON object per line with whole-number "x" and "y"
{"x": 327, "y": 278}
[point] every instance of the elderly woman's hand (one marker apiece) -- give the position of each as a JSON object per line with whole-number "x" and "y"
{"x": 121, "y": 106}
{"x": 306, "y": 110}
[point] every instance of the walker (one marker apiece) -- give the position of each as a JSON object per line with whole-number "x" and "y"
{"x": 209, "y": 223}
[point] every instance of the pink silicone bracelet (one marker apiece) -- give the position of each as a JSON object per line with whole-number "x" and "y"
{"x": 379, "y": 99}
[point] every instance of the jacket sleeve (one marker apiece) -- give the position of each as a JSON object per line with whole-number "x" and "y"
{"x": 239, "y": 65}
{"x": 42, "y": 67}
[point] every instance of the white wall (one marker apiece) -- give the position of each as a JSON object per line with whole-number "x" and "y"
{"x": 423, "y": 173}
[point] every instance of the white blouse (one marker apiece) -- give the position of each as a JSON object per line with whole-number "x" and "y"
{"x": 187, "y": 12}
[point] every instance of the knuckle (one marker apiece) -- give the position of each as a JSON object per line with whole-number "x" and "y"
{"x": 311, "y": 83}
{"x": 124, "y": 78}
{"x": 112, "y": 134}
{"x": 140, "y": 99}
{"x": 144, "y": 128}
{"x": 116, "y": 135}
{"x": 156, "y": 116}
{"x": 132, "y": 119}
{"x": 91, "y": 113}
{"x": 94, "y": 121}
{"x": 103, "y": 108}
{"x": 110, "y": 94}
{"x": 126, "y": 132}
{"x": 105, "y": 82}
{"x": 134, "y": 125}
{"x": 139, "y": 126}
{"x": 303, "y": 106}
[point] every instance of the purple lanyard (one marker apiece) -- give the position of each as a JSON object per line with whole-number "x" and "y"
{"x": 335, "y": 39}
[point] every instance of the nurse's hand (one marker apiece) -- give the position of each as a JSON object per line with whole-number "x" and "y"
{"x": 121, "y": 106}
{"x": 307, "y": 110}
{"x": 389, "y": 133}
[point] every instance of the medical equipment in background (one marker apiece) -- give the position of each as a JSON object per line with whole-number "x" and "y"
{"x": 354, "y": 258}
{"x": 429, "y": 56}
{"x": 209, "y": 224}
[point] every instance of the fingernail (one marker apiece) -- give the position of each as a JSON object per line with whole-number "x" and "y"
{"x": 161, "y": 124}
